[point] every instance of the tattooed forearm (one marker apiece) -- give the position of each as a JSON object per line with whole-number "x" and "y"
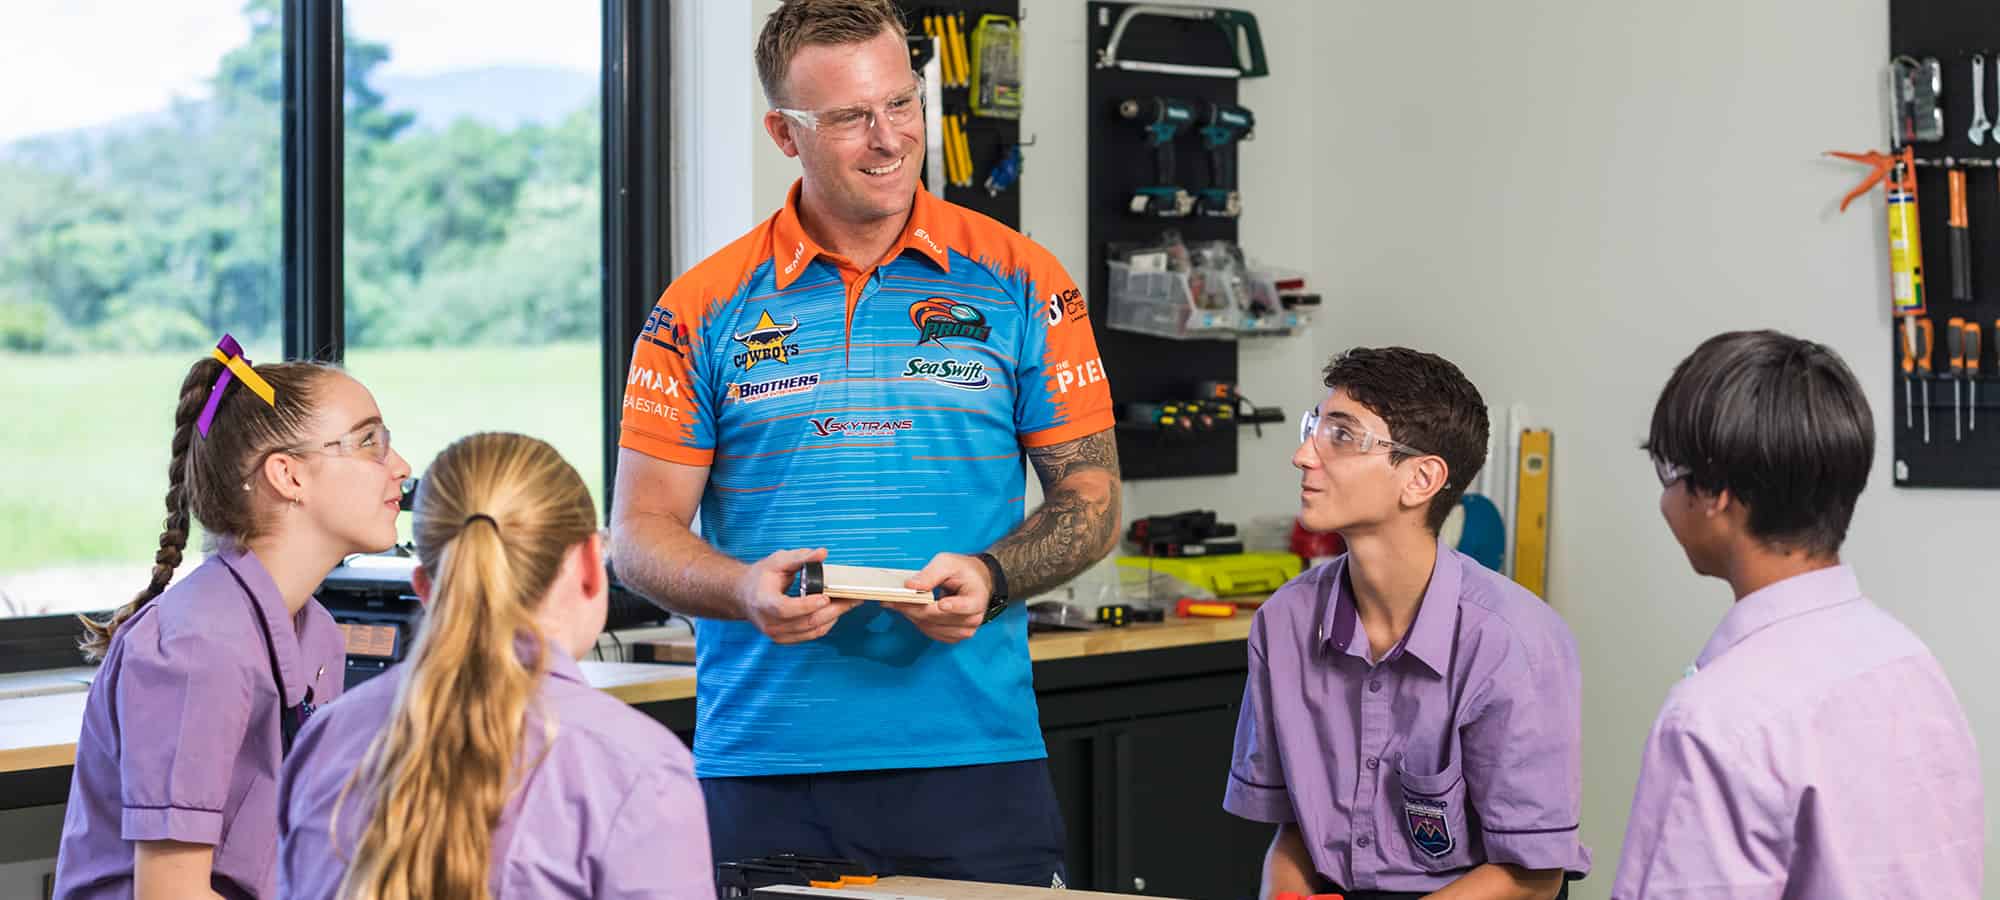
{"x": 1077, "y": 523}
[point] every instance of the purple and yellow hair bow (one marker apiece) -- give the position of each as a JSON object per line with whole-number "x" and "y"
{"x": 231, "y": 355}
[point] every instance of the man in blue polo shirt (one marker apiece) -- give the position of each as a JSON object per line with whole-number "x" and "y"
{"x": 858, "y": 379}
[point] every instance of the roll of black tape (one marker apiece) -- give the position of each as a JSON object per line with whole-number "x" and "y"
{"x": 811, "y": 580}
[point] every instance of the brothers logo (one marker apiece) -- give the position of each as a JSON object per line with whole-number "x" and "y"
{"x": 937, "y": 318}
{"x": 766, "y": 341}
{"x": 966, "y": 376}
{"x": 753, "y": 391}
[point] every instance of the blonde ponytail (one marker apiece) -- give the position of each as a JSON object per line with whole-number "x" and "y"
{"x": 495, "y": 515}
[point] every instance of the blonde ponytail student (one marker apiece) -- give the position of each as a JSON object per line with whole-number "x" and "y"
{"x": 484, "y": 766}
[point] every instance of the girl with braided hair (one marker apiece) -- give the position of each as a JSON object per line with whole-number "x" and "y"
{"x": 204, "y": 684}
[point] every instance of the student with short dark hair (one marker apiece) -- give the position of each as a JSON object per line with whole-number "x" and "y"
{"x": 1411, "y": 720}
{"x": 1815, "y": 749}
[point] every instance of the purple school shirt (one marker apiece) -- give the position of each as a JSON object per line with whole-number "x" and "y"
{"x": 180, "y": 735}
{"x": 611, "y": 809}
{"x": 1816, "y": 751}
{"x": 1461, "y": 747}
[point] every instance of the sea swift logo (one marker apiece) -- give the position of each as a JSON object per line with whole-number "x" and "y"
{"x": 835, "y": 427}
{"x": 661, "y": 331}
{"x": 753, "y": 391}
{"x": 966, "y": 376}
{"x": 937, "y": 318}
{"x": 766, "y": 341}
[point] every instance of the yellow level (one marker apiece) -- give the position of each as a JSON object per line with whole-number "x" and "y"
{"x": 1531, "y": 511}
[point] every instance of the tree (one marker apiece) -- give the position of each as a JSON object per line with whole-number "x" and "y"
{"x": 163, "y": 234}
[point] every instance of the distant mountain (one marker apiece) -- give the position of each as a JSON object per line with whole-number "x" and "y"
{"x": 501, "y": 96}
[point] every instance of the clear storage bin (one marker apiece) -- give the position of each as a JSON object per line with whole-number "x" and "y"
{"x": 1161, "y": 304}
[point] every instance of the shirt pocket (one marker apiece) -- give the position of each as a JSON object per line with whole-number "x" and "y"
{"x": 250, "y": 835}
{"x": 1432, "y": 818}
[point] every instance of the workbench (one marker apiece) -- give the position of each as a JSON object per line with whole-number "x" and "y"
{"x": 1139, "y": 723}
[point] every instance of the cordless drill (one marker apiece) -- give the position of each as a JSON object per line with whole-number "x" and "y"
{"x": 1162, "y": 119}
{"x": 1223, "y": 124}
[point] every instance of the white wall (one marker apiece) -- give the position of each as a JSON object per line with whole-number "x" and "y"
{"x": 1565, "y": 197}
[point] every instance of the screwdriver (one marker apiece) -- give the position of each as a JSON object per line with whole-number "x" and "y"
{"x": 1910, "y": 369}
{"x": 1954, "y": 342}
{"x": 1925, "y": 333}
{"x": 1972, "y": 374}
{"x": 1961, "y": 239}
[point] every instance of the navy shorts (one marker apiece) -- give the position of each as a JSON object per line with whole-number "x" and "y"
{"x": 996, "y": 823}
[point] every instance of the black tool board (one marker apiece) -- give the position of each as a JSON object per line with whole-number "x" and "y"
{"x": 988, "y": 139}
{"x": 1143, "y": 368}
{"x": 1951, "y": 31}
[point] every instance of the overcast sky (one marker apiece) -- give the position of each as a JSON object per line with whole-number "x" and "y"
{"x": 74, "y": 63}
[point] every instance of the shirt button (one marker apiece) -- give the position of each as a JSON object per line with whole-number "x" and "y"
{"x": 1373, "y": 762}
{"x": 1363, "y": 842}
{"x": 1375, "y": 687}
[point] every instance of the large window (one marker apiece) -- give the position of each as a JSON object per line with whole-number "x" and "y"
{"x": 458, "y": 252}
{"x": 472, "y": 214}
{"x": 139, "y": 220}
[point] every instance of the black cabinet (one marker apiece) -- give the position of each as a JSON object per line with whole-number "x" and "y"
{"x": 1139, "y": 748}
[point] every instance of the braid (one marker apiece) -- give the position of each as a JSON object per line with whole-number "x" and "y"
{"x": 174, "y": 534}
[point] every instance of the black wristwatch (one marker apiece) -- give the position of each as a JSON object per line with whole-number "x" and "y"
{"x": 997, "y": 604}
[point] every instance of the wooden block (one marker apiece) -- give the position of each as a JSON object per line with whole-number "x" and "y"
{"x": 664, "y": 650}
{"x": 862, "y": 583}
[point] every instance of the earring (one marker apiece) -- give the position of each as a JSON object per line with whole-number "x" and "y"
{"x": 246, "y": 487}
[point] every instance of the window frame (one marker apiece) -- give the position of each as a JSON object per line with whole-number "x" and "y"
{"x": 636, "y": 234}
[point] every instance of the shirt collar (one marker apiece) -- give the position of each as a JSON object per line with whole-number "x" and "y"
{"x": 1787, "y": 599}
{"x": 1429, "y": 639}
{"x": 559, "y": 661}
{"x": 269, "y": 606}
{"x": 792, "y": 250}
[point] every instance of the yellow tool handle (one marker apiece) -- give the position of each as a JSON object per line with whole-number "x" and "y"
{"x": 956, "y": 24}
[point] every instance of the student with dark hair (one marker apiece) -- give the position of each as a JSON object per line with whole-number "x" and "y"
{"x": 1815, "y": 748}
{"x": 287, "y": 467}
{"x": 1411, "y": 721}
{"x": 484, "y": 766}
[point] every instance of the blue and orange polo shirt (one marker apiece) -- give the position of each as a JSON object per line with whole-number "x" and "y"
{"x": 881, "y": 413}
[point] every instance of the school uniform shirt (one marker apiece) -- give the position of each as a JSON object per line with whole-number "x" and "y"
{"x": 1816, "y": 751}
{"x": 180, "y": 738}
{"x": 610, "y": 809}
{"x": 881, "y": 412}
{"x": 1460, "y": 747}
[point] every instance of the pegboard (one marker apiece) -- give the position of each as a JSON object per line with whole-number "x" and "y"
{"x": 1146, "y": 369}
{"x": 988, "y": 139}
{"x": 1965, "y": 455}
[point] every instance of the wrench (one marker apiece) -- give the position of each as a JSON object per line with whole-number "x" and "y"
{"x": 1979, "y": 123}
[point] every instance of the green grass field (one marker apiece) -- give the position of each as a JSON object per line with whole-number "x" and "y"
{"x": 84, "y": 439}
